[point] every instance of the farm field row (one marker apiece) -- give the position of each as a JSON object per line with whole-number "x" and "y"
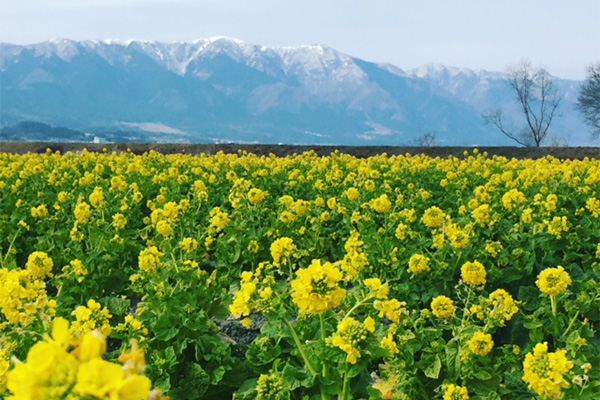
{"x": 127, "y": 276}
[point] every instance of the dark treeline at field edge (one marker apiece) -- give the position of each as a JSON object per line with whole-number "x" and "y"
{"x": 285, "y": 150}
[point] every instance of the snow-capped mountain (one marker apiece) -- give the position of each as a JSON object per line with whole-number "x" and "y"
{"x": 222, "y": 89}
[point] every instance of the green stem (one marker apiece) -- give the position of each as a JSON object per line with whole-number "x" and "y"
{"x": 571, "y": 323}
{"x": 324, "y": 337}
{"x": 324, "y": 396}
{"x": 309, "y": 366}
{"x": 553, "y": 302}
{"x": 11, "y": 245}
{"x": 345, "y": 386}
{"x": 360, "y": 303}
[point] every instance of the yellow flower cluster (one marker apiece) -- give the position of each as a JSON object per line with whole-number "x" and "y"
{"x": 481, "y": 343}
{"x": 39, "y": 265}
{"x": 442, "y": 307}
{"x": 257, "y": 196}
{"x": 24, "y": 298}
{"x": 55, "y": 371}
{"x": 188, "y": 244}
{"x": 418, "y": 263}
{"x": 218, "y": 220}
{"x": 382, "y": 204}
{"x": 90, "y": 318}
{"x": 316, "y": 288}
{"x": 433, "y": 217}
{"x": 553, "y": 281}
{"x": 557, "y": 226}
{"x": 39, "y": 211}
{"x": 544, "y": 372}
{"x": 282, "y": 249}
{"x": 455, "y": 392}
{"x": 388, "y": 342}
{"x": 355, "y": 258}
{"x": 255, "y": 294}
{"x": 498, "y": 308}
{"x": 512, "y": 199}
{"x": 378, "y": 289}
{"x": 149, "y": 259}
{"x": 350, "y": 335}
{"x": 392, "y": 309}
{"x": 473, "y": 273}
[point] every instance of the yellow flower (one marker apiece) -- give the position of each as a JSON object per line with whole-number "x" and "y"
{"x": 350, "y": 336}
{"x": 433, "y": 217}
{"x": 149, "y": 259}
{"x": 418, "y": 263}
{"x": 553, "y": 281}
{"x": 455, "y": 392}
{"x": 391, "y": 309}
{"x": 316, "y": 288}
{"x": 39, "y": 265}
{"x": 473, "y": 273}
{"x": 482, "y": 214}
{"x": 381, "y": 204}
{"x": 256, "y": 196}
{"x": 164, "y": 228}
{"x": 443, "y": 307}
{"x": 39, "y": 212}
{"x": 378, "y": 289}
{"x": 282, "y": 249}
{"x": 287, "y": 217}
{"x": 401, "y": 231}
{"x": 97, "y": 198}
{"x": 188, "y": 244}
{"x": 544, "y": 372}
{"x": 388, "y": 342}
{"x": 481, "y": 343}
{"x": 512, "y": 199}
{"x": 352, "y": 194}
{"x": 82, "y": 212}
{"x": 119, "y": 221}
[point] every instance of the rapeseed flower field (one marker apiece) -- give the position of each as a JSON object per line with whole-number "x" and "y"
{"x": 132, "y": 277}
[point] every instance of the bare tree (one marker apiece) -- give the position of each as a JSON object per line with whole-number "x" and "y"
{"x": 588, "y": 101}
{"x": 537, "y": 99}
{"x": 425, "y": 140}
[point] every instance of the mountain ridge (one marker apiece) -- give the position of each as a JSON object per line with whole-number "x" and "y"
{"x": 228, "y": 89}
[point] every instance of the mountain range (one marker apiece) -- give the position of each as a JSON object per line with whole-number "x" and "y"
{"x": 227, "y": 90}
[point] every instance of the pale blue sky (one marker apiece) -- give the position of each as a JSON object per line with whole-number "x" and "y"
{"x": 560, "y": 35}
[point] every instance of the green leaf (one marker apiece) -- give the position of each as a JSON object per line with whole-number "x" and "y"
{"x": 434, "y": 368}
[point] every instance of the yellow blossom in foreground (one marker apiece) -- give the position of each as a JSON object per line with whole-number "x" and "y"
{"x": 50, "y": 372}
{"x": 544, "y": 372}
{"x": 473, "y": 273}
{"x": 443, "y": 307}
{"x": 316, "y": 288}
{"x": 553, "y": 281}
{"x": 455, "y": 392}
{"x": 481, "y": 343}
